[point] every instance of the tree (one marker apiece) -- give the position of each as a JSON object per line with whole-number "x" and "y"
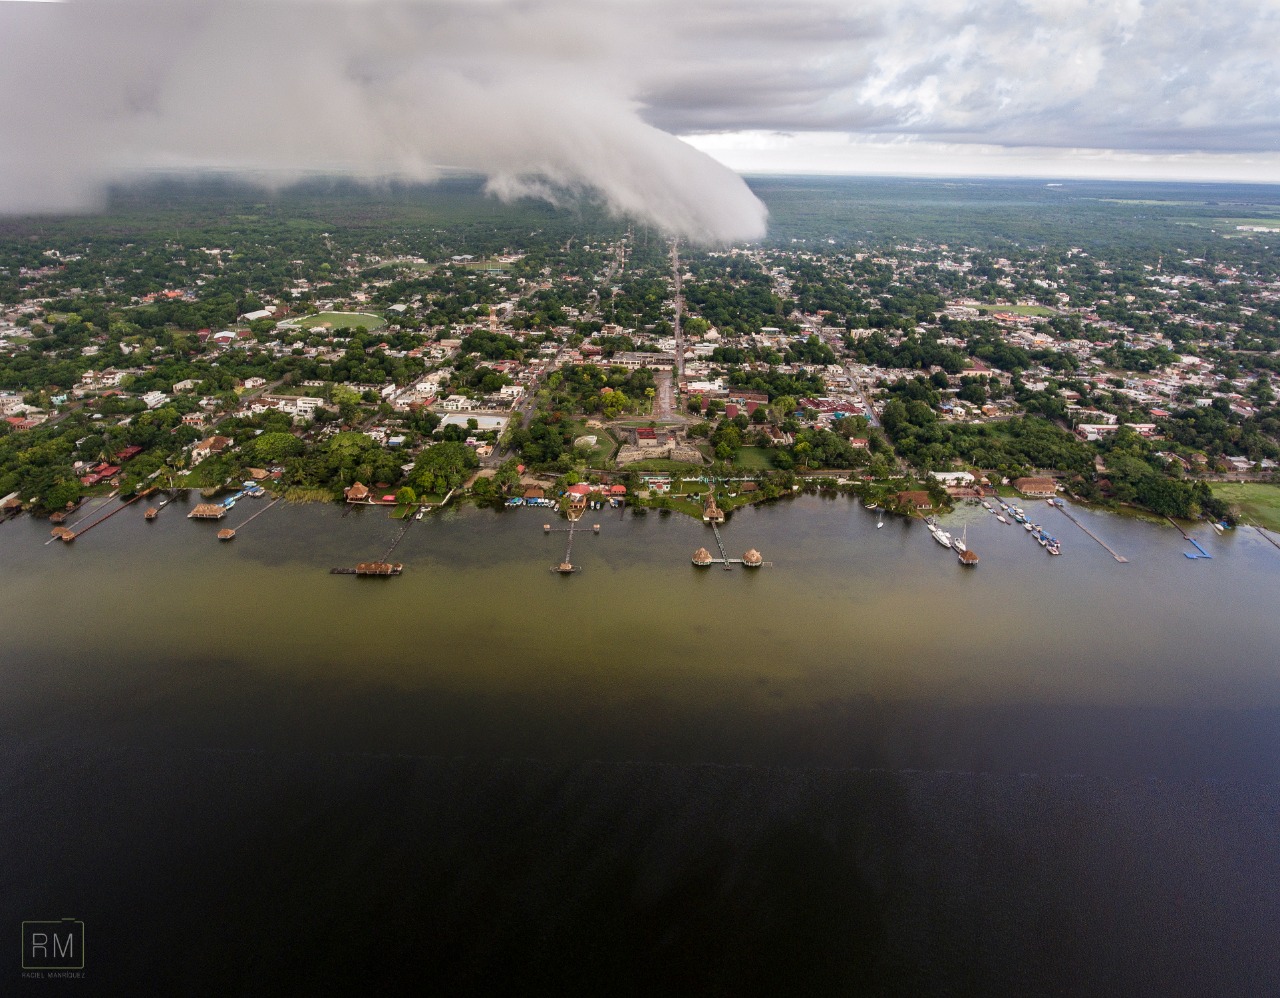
{"x": 405, "y": 496}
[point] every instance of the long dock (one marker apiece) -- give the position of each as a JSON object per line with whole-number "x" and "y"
{"x": 1187, "y": 537}
{"x": 246, "y": 523}
{"x": 566, "y": 567}
{"x": 71, "y": 533}
{"x": 1266, "y": 535}
{"x": 724, "y": 555}
{"x": 1111, "y": 551}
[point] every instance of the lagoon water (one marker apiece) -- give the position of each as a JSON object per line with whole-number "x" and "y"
{"x": 862, "y": 769}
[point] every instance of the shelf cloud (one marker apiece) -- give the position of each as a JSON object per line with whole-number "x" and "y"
{"x": 556, "y": 98}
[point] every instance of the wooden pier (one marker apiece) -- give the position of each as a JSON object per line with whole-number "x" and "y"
{"x": 228, "y": 534}
{"x": 1187, "y": 537}
{"x": 567, "y": 567}
{"x": 1271, "y": 540}
{"x": 751, "y": 559}
{"x": 69, "y": 534}
{"x": 1065, "y": 512}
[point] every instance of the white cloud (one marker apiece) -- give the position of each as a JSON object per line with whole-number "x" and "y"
{"x": 589, "y": 95}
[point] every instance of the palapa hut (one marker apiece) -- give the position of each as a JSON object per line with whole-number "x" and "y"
{"x": 752, "y": 559}
{"x": 565, "y": 568}
{"x": 151, "y": 513}
{"x": 356, "y": 493}
{"x": 702, "y": 557}
{"x": 967, "y": 557}
{"x": 225, "y": 534}
{"x": 58, "y": 517}
{"x": 207, "y": 511}
{"x": 63, "y": 533}
{"x": 711, "y": 513}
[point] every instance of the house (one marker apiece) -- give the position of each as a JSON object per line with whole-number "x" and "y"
{"x": 154, "y": 400}
{"x": 456, "y": 403}
{"x": 917, "y": 499}
{"x": 209, "y": 445}
{"x": 1036, "y": 488}
{"x": 646, "y": 436}
{"x": 356, "y": 493}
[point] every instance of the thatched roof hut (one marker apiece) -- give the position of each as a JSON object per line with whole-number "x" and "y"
{"x": 225, "y": 534}
{"x": 967, "y": 557}
{"x": 58, "y": 517}
{"x": 565, "y": 568}
{"x": 753, "y": 559}
{"x": 151, "y": 513}
{"x": 378, "y": 568}
{"x": 702, "y": 557}
{"x": 356, "y": 493}
{"x": 207, "y": 511}
{"x": 63, "y": 533}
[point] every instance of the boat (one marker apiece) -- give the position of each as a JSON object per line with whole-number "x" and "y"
{"x": 869, "y": 505}
{"x": 986, "y": 505}
{"x": 1218, "y": 528}
{"x": 1053, "y": 547}
{"x": 880, "y": 522}
{"x": 418, "y": 516}
{"x": 961, "y": 543}
{"x": 939, "y": 535}
{"x": 516, "y": 501}
{"x": 1027, "y": 525}
{"x": 1001, "y": 518}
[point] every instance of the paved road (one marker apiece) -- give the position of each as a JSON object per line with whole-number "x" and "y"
{"x": 664, "y": 397}
{"x": 866, "y": 402}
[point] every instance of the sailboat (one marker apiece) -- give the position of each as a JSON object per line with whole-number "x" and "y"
{"x": 880, "y": 522}
{"x": 961, "y": 543}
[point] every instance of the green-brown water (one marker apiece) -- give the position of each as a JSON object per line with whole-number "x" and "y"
{"x": 865, "y": 765}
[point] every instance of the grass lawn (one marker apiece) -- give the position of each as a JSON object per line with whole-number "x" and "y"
{"x": 352, "y": 319}
{"x": 1021, "y": 309}
{"x": 753, "y": 459}
{"x": 659, "y": 464}
{"x": 690, "y": 488}
{"x": 1269, "y": 223}
{"x": 1257, "y": 501}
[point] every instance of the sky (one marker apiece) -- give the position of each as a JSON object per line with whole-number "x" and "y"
{"x": 652, "y": 107}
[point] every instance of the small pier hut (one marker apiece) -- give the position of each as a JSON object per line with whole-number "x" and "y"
{"x": 753, "y": 559}
{"x": 207, "y": 511}
{"x": 151, "y": 513}
{"x": 711, "y": 513}
{"x": 702, "y": 558}
{"x": 564, "y": 568}
{"x": 225, "y": 534}
{"x": 63, "y": 534}
{"x": 968, "y": 557}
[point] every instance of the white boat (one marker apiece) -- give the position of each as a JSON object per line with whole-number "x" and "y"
{"x": 880, "y": 522}
{"x": 1028, "y": 525}
{"x": 1001, "y": 518}
{"x": 961, "y": 543}
{"x": 1218, "y": 528}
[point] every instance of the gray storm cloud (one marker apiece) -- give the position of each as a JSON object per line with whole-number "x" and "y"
{"x": 522, "y": 93}
{"x": 590, "y": 95}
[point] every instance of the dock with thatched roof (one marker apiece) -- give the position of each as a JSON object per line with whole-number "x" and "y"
{"x": 702, "y": 558}
{"x": 207, "y": 511}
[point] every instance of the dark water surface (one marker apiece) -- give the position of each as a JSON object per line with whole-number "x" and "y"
{"x": 862, "y": 770}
